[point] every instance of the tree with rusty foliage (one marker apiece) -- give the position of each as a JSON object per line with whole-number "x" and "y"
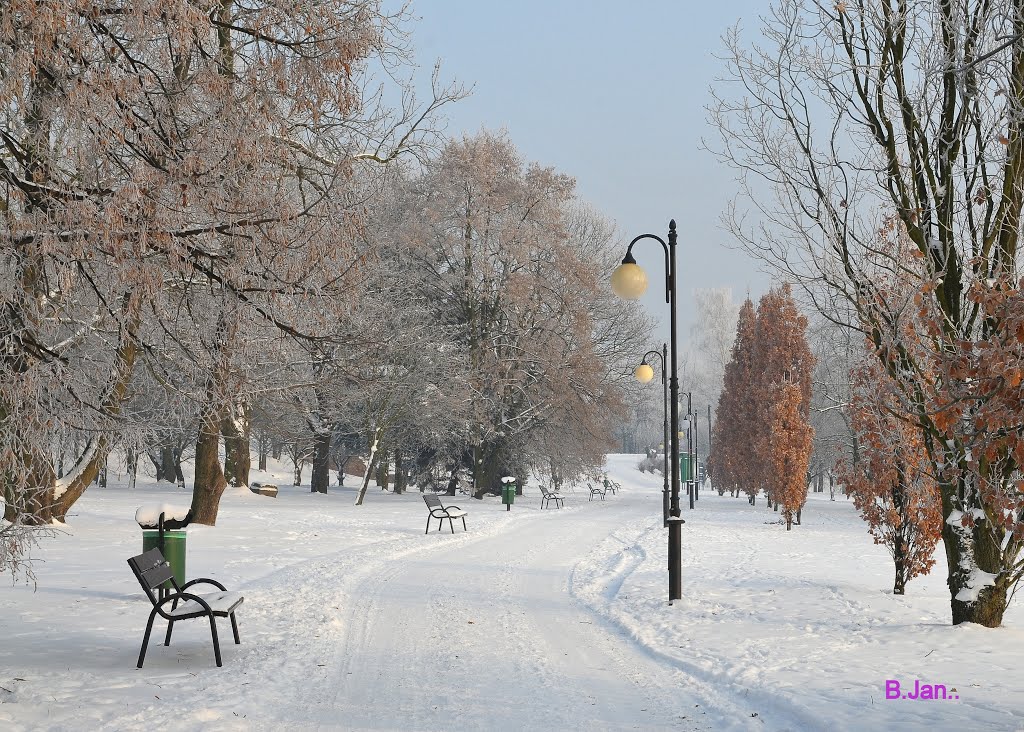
{"x": 891, "y": 482}
{"x": 789, "y": 452}
{"x": 847, "y": 115}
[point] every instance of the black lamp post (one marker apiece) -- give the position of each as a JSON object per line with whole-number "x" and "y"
{"x": 644, "y": 373}
{"x": 629, "y": 281}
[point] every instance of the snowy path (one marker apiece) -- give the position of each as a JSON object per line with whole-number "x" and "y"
{"x": 486, "y": 635}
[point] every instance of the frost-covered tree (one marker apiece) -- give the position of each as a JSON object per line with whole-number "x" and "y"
{"x": 514, "y": 276}
{"x": 175, "y": 175}
{"x": 849, "y": 115}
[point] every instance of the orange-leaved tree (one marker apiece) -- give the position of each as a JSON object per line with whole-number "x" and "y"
{"x": 781, "y": 356}
{"x": 891, "y": 483}
{"x": 732, "y": 454}
{"x": 789, "y": 452}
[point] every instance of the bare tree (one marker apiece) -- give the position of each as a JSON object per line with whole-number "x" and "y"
{"x": 855, "y": 123}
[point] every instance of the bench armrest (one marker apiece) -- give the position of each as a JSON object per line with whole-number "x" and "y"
{"x": 205, "y": 580}
{"x": 182, "y": 596}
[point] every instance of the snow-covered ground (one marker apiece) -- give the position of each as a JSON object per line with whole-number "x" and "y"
{"x": 556, "y": 619}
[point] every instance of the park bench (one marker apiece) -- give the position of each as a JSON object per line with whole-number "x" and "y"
{"x": 152, "y": 571}
{"x": 596, "y": 491}
{"x": 611, "y": 485}
{"x": 548, "y": 495}
{"x": 440, "y": 512}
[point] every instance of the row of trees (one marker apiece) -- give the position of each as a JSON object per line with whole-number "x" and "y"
{"x": 762, "y": 438}
{"x": 216, "y": 231}
{"x": 881, "y": 149}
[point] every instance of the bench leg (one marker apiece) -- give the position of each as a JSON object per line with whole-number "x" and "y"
{"x": 451, "y": 525}
{"x": 170, "y": 627}
{"x": 464, "y": 524}
{"x": 234, "y": 628}
{"x": 428, "y": 526}
{"x": 145, "y": 638}
{"x": 216, "y": 642}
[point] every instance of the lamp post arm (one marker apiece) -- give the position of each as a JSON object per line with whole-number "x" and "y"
{"x": 660, "y": 358}
{"x": 668, "y": 266}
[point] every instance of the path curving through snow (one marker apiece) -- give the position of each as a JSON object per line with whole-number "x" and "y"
{"x": 487, "y": 635}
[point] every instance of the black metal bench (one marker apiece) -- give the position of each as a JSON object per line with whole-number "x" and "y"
{"x": 548, "y": 495}
{"x": 152, "y": 571}
{"x": 441, "y": 512}
{"x": 596, "y": 491}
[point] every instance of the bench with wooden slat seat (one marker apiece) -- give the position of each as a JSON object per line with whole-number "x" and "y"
{"x": 596, "y": 491}
{"x": 153, "y": 571}
{"x": 548, "y": 495}
{"x": 441, "y": 512}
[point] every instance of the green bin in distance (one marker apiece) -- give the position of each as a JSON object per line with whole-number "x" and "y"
{"x": 173, "y": 551}
{"x": 684, "y": 468}
{"x": 508, "y": 494}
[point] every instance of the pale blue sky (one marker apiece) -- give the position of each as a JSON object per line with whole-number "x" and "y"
{"x": 614, "y": 94}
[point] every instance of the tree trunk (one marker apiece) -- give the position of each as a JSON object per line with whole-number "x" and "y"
{"x": 453, "y": 481}
{"x": 399, "y": 473}
{"x": 166, "y": 471}
{"x": 297, "y": 476}
{"x": 131, "y": 466}
{"x": 262, "y": 445}
{"x": 491, "y": 468}
{"x": 209, "y": 480}
{"x": 236, "y": 431}
{"x": 321, "y": 476}
{"x": 178, "y": 475}
{"x": 988, "y": 608}
{"x": 275, "y": 448}
{"x": 383, "y": 469}
{"x": 899, "y": 560}
{"x": 371, "y": 464}
{"x": 478, "y": 468}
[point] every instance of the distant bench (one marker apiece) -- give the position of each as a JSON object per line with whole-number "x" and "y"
{"x": 441, "y": 512}
{"x": 548, "y": 495}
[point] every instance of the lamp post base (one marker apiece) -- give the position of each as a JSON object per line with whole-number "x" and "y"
{"x": 675, "y": 557}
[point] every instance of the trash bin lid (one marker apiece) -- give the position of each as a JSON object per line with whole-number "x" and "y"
{"x": 509, "y": 479}
{"x": 175, "y": 517}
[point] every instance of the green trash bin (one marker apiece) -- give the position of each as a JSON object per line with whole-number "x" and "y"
{"x": 508, "y": 493}
{"x": 173, "y": 550}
